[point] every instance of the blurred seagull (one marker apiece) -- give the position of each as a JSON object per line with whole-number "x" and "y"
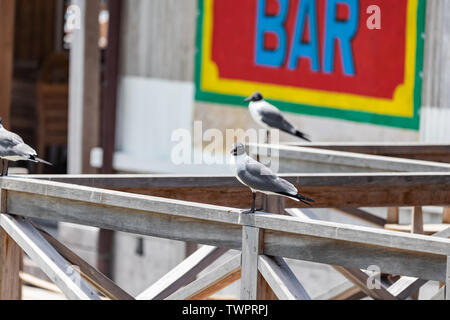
{"x": 259, "y": 178}
{"x": 269, "y": 116}
{"x": 12, "y": 148}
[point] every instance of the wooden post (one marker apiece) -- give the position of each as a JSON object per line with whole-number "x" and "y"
{"x": 393, "y": 215}
{"x": 7, "y": 14}
{"x": 416, "y": 227}
{"x": 447, "y": 282}
{"x": 417, "y": 220}
{"x": 10, "y": 262}
{"x": 446, "y": 215}
{"x": 84, "y": 95}
{"x": 251, "y": 248}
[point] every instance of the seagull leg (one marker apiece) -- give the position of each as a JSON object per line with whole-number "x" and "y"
{"x": 7, "y": 167}
{"x": 252, "y": 210}
{"x": 3, "y": 165}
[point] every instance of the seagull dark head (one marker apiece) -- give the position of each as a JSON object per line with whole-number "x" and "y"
{"x": 257, "y": 96}
{"x": 238, "y": 149}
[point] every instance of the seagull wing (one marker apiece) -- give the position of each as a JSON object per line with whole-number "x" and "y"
{"x": 258, "y": 177}
{"x": 271, "y": 116}
{"x": 12, "y": 144}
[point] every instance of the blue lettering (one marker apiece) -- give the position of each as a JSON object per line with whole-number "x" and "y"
{"x": 344, "y": 31}
{"x": 273, "y": 24}
{"x": 299, "y": 48}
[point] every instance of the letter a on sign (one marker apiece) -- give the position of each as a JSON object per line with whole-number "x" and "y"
{"x": 374, "y": 21}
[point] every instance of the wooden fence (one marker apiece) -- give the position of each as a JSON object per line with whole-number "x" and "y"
{"x": 203, "y": 210}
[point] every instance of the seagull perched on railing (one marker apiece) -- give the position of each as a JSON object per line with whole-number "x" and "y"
{"x": 12, "y": 148}
{"x": 259, "y": 178}
{"x": 268, "y": 116}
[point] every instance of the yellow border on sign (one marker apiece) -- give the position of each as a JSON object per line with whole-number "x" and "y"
{"x": 402, "y": 105}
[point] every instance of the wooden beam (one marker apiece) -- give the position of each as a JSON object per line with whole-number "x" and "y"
{"x": 428, "y": 229}
{"x": 182, "y": 274}
{"x": 48, "y": 259}
{"x": 7, "y": 17}
{"x": 408, "y": 150}
{"x": 103, "y": 283}
{"x": 295, "y": 159}
{"x": 364, "y": 216}
{"x": 252, "y": 242}
{"x": 360, "y": 278}
{"x": 281, "y": 279}
{"x": 212, "y": 282}
{"x": 405, "y": 287}
{"x": 84, "y": 94}
{"x": 328, "y": 190}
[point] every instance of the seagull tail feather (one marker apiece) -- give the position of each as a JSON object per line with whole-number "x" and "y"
{"x": 303, "y": 136}
{"x": 299, "y": 198}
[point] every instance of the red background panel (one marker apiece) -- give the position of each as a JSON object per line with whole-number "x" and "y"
{"x": 379, "y": 55}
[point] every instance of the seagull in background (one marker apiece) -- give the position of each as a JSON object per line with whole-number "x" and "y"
{"x": 12, "y": 148}
{"x": 259, "y": 178}
{"x": 269, "y": 116}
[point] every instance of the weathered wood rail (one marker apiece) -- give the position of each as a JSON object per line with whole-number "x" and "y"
{"x": 260, "y": 237}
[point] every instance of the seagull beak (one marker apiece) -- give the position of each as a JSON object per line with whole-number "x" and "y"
{"x": 248, "y": 99}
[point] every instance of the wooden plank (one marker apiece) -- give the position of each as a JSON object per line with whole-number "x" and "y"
{"x": 212, "y": 282}
{"x": 428, "y": 229}
{"x": 182, "y": 274}
{"x": 7, "y": 17}
{"x": 360, "y": 278}
{"x": 293, "y": 158}
{"x": 281, "y": 279}
{"x": 405, "y": 287}
{"x": 251, "y": 248}
{"x": 48, "y": 259}
{"x": 328, "y": 190}
{"x": 38, "y": 283}
{"x": 364, "y": 216}
{"x": 408, "y": 150}
{"x": 103, "y": 283}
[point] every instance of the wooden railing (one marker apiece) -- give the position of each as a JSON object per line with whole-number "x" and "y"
{"x": 263, "y": 238}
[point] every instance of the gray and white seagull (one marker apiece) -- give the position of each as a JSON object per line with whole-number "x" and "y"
{"x": 268, "y": 116}
{"x": 259, "y": 178}
{"x": 13, "y": 148}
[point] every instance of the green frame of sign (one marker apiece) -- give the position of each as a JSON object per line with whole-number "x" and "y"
{"x": 366, "y": 117}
